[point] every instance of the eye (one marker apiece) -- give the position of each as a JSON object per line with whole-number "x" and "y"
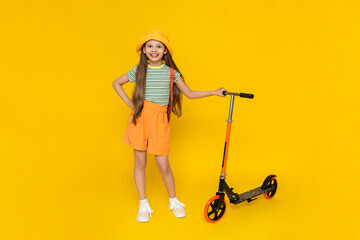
{"x": 159, "y": 46}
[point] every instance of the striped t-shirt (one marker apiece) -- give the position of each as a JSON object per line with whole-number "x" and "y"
{"x": 157, "y": 88}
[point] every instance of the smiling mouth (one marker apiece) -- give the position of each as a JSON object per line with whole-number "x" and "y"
{"x": 154, "y": 55}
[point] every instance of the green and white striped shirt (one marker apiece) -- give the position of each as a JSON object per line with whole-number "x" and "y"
{"x": 157, "y": 88}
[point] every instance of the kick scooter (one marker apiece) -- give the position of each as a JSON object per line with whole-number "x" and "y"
{"x": 215, "y": 207}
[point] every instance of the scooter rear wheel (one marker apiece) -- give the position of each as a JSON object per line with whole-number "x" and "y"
{"x": 211, "y": 212}
{"x": 272, "y": 182}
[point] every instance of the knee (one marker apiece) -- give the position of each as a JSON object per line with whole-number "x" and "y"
{"x": 164, "y": 169}
{"x": 140, "y": 164}
{"x": 141, "y": 167}
{"x": 140, "y": 160}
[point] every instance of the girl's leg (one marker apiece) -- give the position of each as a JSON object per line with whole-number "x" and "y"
{"x": 139, "y": 173}
{"x": 167, "y": 175}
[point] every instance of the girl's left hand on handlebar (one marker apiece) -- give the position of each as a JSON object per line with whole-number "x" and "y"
{"x": 219, "y": 92}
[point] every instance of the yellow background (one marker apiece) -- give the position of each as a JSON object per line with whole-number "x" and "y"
{"x": 65, "y": 174}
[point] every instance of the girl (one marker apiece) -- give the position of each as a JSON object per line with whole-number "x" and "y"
{"x": 148, "y": 128}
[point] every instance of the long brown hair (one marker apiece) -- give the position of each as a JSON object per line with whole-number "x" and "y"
{"x": 140, "y": 82}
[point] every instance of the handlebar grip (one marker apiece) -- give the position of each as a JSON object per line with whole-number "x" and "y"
{"x": 244, "y": 95}
{"x": 247, "y": 95}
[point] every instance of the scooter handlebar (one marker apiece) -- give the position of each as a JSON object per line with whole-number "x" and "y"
{"x": 244, "y": 95}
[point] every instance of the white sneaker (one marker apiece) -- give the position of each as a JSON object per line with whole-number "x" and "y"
{"x": 144, "y": 213}
{"x": 178, "y": 208}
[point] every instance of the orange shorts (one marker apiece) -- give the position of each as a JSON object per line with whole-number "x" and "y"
{"x": 152, "y": 130}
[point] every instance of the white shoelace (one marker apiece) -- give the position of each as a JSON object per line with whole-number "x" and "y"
{"x": 145, "y": 208}
{"x": 175, "y": 204}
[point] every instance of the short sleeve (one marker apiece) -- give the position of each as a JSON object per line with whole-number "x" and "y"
{"x": 177, "y": 75}
{"x": 131, "y": 74}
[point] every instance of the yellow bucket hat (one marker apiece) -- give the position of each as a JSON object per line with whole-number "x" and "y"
{"x": 153, "y": 35}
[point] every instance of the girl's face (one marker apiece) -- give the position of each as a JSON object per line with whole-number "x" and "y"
{"x": 155, "y": 51}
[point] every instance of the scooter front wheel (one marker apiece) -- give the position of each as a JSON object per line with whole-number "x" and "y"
{"x": 211, "y": 212}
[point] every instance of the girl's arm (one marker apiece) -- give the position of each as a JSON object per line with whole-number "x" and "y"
{"x": 117, "y": 84}
{"x": 197, "y": 94}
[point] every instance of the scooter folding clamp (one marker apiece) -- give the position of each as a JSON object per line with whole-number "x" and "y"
{"x": 222, "y": 176}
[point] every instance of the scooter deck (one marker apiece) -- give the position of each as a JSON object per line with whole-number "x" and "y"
{"x": 247, "y": 196}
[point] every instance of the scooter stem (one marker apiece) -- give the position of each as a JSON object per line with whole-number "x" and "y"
{"x": 227, "y": 139}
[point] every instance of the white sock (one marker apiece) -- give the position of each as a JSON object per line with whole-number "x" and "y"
{"x": 144, "y": 201}
{"x": 172, "y": 199}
